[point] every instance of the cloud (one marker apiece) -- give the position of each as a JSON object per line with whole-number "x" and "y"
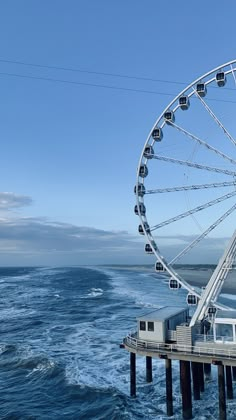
{"x": 9, "y": 200}
{"x": 40, "y": 241}
{"x": 39, "y": 238}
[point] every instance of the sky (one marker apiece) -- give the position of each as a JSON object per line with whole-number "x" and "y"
{"x": 73, "y": 127}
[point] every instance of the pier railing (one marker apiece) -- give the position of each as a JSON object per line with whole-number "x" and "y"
{"x": 133, "y": 342}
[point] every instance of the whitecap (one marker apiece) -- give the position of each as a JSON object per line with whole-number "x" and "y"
{"x": 42, "y": 367}
{"x": 94, "y": 292}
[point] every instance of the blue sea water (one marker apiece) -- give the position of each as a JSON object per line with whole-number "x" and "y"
{"x": 59, "y": 346}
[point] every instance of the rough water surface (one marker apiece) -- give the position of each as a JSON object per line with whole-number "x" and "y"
{"x": 59, "y": 345}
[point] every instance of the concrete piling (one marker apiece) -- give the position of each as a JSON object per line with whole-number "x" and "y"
{"x": 234, "y": 372}
{"x": 207, "y": 369}
{"x": 185, "y": 385}
{"x": 132, "y": 374}
{"x": 201, "y": 376}
{"x": 221, "y": 388}
{"x": 196, "y": 382}
{"x": 229, "y": 383}
{"x": 169, "y": 396}
{"x": 148, "y": 369}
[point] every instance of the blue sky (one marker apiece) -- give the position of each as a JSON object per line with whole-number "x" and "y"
{"x": 69, "y": 151}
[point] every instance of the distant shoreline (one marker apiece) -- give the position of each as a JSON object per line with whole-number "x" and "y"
{"x": 186, "y": 271}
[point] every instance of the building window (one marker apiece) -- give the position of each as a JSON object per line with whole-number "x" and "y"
{"x": 224, "y": 332}
{"x": 150, "y": 326}
{"x": 142, "y": 325}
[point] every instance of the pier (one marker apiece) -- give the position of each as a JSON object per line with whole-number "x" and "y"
{"x": 195, "y": 353}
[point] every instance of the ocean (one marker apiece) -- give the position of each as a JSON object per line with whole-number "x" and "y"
{"x": 60, "y": 355}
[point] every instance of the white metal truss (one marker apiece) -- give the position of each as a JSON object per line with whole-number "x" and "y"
{"x": 216, "y": 119}
{"x": 202, "y": 142}
{"x": 195, "y": 210}
{"x": 216, "y": 281}
{"x": 203, "y": 235}
{"x": 191, "y": 187}
{"x": 194, "y": 165}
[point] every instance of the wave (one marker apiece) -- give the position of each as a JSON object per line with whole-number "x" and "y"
{"x": 41, "y": 366}
{"x": 12, "y": 313}
{"x": 94, "y": 292}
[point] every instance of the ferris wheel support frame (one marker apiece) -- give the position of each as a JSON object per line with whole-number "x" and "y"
{"x": 216, "y": 282}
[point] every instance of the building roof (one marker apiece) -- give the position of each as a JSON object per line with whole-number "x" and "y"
{"x": 162, "y": 314}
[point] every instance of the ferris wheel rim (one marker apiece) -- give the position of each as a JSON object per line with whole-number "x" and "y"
{"x": 143, "y": 161}
{"x": 182, "y": 93}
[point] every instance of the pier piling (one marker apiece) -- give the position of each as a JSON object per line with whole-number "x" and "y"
{"x": 207, "y": 369}
{"x": 148, "y": 369}
{"x": 221, "y": 388}
{"x": 229, "y": 384}
{"x": 132, "y": 374}
{"x": 201, "y": 376}
{"x": 185, "y": 385}
{"x": 196, "y": 383}
{"x": 234, "y": 372}
{"x": 169, "y": 396}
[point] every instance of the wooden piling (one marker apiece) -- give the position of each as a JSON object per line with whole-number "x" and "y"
{"x": 185, "y": 385}
{"x": 169, "y": 396}
{"x": 132, "y": 374}
{"x": 221, "y": 388}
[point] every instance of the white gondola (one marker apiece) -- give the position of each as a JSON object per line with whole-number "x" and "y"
{"x": 220, "y": 78}
{"x": 169, "y": 117}
{"x": 174, "y": 284}
{"x": 143, "y": 171}
{"x": 201, "y": 89}
{"x": 146, "y": 228}
{"x": 148, "y": 152}
{"x": 192, "y": 299}
{"x": 148, "y": 249}
{"x": 157, "y": 134}
{"x": 184, "y": 102}
{"x": 142, "y": 209}
{"x": 159, "y": 268}
{"x": 211, "y": 310}
{"x": 141, "y": 190}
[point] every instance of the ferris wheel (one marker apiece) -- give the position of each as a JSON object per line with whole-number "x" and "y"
{"x": 186, "y": 180}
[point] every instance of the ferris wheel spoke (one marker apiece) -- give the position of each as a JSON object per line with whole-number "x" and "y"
{"x": 194, "y": 210}
{"x": 194, "y": 165}
{"x": 202, "y": 142}
{"x": 203, "y": 235}
{"x": 218, "y": 122}
{"x": 191, "y": 187}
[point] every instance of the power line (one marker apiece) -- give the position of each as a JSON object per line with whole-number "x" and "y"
{"x": 76, "y": 70}
{"x": 71, "y": 82}
{"x": 50, "y": 79}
